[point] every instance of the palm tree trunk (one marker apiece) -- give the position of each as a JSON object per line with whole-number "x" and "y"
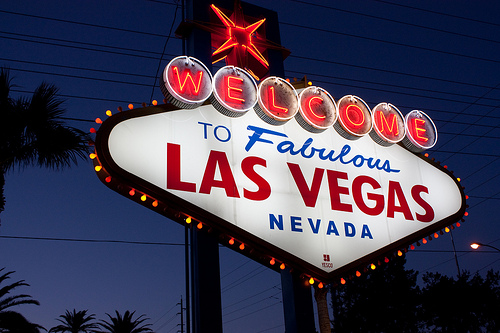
{"x": 2, "y": 185}
{"x": 322, "y": 304}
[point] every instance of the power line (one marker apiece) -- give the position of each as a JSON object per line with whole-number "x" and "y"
{"x": 235, "y": 269}
{"x": 383, "y": 18}
{"x": 82, "y": 23}
{"x": 157, "y": 53}
{"x": 163, "y": 2}
{"x": 410, "y": 94}
{"x": 77, "y": 42}
{"x": 467, "y": 153}
{"x": 79, "y": 77}
{"x": 107, "y": 27}
{"x": 148, "y": 76}
{"x": 83, "y": 97}
{"x": 80, "y": 47}
{"x": 163, "y": 52}
{"x": 163, "y": 315}
{"x": 81, "y": 240}
{"x": 480, "y": 197}
{"x": 388, "y": 71}
{"x": 394, "y": 85}
{"x": 270, "y": 328}
{"x": 251, "y": 313}
{"x": 254, "y": 303}
{"x": 438, "y": 13}
{"x": 488, "y": 264}
{"x": 357, "y": 86}
{"x": 238, "y": 282}
{"x": 255, "y": 295}
{"x": 98, "y": 70}
{"x": 422, "y": 48}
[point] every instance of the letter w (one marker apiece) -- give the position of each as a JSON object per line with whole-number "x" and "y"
{"x": 309, "y": 195}
{"x": 182, "y": 84}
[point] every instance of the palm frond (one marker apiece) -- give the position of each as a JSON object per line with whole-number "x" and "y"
{"x": 125, "y": 324}
{"x": 11, "y": 321}
{"x": 75, "y": 322}
{"x": 10, "y": 301}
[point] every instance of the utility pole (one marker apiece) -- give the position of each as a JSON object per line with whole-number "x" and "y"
{"x": 182, "y": 317}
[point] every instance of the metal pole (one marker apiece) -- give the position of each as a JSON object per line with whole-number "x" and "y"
{"x": 186, "y": 258}
{"x": 455, "y": 253}
{"x": 182, "y": 319}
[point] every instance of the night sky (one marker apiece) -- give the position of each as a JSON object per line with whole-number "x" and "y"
{"x": 80, "y": 245}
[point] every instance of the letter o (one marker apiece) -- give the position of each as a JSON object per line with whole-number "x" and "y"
{"x": 228, "y": 133}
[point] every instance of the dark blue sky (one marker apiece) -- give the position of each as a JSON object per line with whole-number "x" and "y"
{"x": 437, "y": 56}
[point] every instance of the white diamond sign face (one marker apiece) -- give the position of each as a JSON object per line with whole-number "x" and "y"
{"x": 317, "y": 202}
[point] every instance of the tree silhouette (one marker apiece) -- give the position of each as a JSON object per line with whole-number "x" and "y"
{"x": 465, "y": 304}
{"x": 388, "y": 300}
{"x": 75, "y": 322}
{"x": 125, "y": 324}
{"x": 14, "y": 322}
{"x": 32, "y": 131}
{"x": 382, "y": 300}
{"x": 11, "y": 321}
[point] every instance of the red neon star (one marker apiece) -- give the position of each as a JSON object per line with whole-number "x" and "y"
{"x": 239, "y": 40}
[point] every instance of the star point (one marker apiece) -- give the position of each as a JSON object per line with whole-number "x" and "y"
{"x": 239, "y": 40}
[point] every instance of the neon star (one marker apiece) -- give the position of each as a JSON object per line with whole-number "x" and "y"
{"x": 239, "y": 39}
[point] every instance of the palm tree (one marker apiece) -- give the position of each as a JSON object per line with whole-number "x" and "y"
{"x": 11, "y": 321}
{"x": 14, "y": 322}
{"x": 125, "y": 324}
{"x": 32, "y": 131}
{"x": 76, "y": 322}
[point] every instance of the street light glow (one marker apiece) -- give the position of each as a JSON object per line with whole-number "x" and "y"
{"x": 476, "y": 245}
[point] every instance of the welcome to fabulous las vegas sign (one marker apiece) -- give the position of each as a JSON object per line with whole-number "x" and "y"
{"x": 288, "y": 178}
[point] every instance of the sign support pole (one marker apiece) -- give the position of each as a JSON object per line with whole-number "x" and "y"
{"x": 297, "y": 303}
{"x": 205, "y": 270}
{"x": 207, "y": 304}
{"x": 297, "y": 298}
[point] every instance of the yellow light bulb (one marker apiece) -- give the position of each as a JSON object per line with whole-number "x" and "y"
{"x": 109, "y": 113}
{"x": 311, "y": 281}
{"x": 98, "y": 168}
{"x": 92, "y": 156}
{"x": 143, "y": 197}
{"x": 188, "y": 219}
